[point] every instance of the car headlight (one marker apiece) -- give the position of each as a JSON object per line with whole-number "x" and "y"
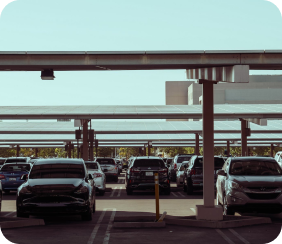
{"x": 234, "y": 185}
{"x": 81, "y": 190}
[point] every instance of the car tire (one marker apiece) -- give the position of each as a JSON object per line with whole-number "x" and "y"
{"x": 167, "y": 191}
{"x": 189, "y": 188}
{"x": 129, "y": 192}
{"x": 116, "y": 179}
{"x": 22, "y": 215}
{"x": 101, "y": 193}
{"x": 7, "y": 191}
{"x": 227, "y": 210}
{"x": 88, "y": 215}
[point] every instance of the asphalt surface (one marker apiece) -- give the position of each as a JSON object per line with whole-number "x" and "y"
{"x": 115, "y": 202}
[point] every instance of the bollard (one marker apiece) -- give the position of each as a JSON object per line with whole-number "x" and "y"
{"x": 157, "y": 196}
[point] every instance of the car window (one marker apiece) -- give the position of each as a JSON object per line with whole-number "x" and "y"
{"x": 149, "y": 163}
{"x": 15, "y": 167}
{"x": 181, "y": 159}
{"x": 105, "y": 161}
{"x": 218, "y": 162}
{"x": 43, "y": 171}
{"x": 14, "y": 160}
{"x": 91, "y": 165}
{"x": 255, "y": 168}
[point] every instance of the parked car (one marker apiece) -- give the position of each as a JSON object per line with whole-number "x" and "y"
{"x": 11, "y": 173}
{"x": 250, "y": 184}
{"x": 17, "y": 159}
{"x": 279, "y": 160}
{"x": 109, "y": 167}
{"x": 177, "y": 160}
{"x": 2, "y": 161}
{"x": 193, "y": 175}
{"x": 58, "y": 186}
{"x": 180, "y": 173}
{"x": 278, "y": 155}
{"x": 1, "y": 196}
{"x": 140, "y": 175}
{"x": 98, "y": 175}
{"x": 119, "y": 164}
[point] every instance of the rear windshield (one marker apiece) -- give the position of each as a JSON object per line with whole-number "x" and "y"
{"x": 149, "y": 163}
{"x": 44, "y": 171}
{"x": 218, "y": 163}
{"x": 169, "y": 160}
{"x": 182, "y": 168}
{"x": 14, "y": 160}
{"x": 91, "y": 166}
{"x": 15, "y": 167}
{"x": 181, "y": 159}
{"x": 255, "y": 168}
{"x": 105, "y": 161}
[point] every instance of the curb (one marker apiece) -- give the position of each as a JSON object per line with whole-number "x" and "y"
{"x": 228, "y": 222}
{"x": 134, "y": 225}
{"x": 7, "y": 223}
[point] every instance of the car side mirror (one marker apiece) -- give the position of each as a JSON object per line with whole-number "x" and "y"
{"x": 24, "y": 177}
{"x": 221, "y": 172}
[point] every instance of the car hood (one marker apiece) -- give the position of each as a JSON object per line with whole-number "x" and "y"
{"x": 253, "y": 181}
{"x": 44, "y": 182}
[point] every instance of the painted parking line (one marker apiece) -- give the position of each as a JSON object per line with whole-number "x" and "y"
{"x": 96, "y": 228}
{"x": 9, "y": 213}
{"x": 107, "y": 235}
{"x": 225, "y": 237}
{"x": 113, "y": 192}
{"x": 181, "y": 194}
{"x": 193, "y": 209}
{"x": 238, "y": 236}
{"x": 174, "y": 194}
{"x": 119, "y": 192}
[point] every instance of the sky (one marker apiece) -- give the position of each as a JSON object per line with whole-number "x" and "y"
{"x": 117, "y": 25}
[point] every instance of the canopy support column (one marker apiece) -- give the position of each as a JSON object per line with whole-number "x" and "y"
{"x": 208, "y": 211}
{"x": 271, "y": 150}
{"x": 69, "y": 149}
{"x": 244, "y": 147}
{"x": 36, "y": 152}
{"x": 85, "y": 140}
{"x": 18, "y": 150}
{"x": 228, "y": 148}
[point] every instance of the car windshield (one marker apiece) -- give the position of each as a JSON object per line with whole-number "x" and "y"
{"x": 43, "y": 171}
{"x": 218, "y": 162}
{"x": 149, "y": 163}
{"x": 255, "y": 167}
{"x": 91, "y": 166}
{"x": 15, "y": 167}
{"x": 105, "y": 161}
{"x": 14, "y": 160}
{"x": 181, "y": 159}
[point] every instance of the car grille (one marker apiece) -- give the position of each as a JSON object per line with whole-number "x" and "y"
{"x": 53, "y": 189}
{"x": 263, "y": 196}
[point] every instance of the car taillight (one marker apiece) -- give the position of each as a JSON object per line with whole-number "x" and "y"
{"x": 97, "y": 175}
{"x": 134, "y": 170}
{"x": 175, "y": 166}
{"x": 192, "y": 172}
{"x": 2, "y": 177}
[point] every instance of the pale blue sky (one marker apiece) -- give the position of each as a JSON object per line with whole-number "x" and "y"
{"x": 90, "y": 25}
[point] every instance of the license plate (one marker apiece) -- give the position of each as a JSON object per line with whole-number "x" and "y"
{"x": 149, "y": 174}
{"x": 12, "y": 179}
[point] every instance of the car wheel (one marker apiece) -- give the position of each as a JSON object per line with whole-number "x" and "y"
{"x": 227, "y": 210}
{"x": 189, "y": 188}
{"x": 7, "y": 191}
{"x": 167, "y": 191}
{"x": 87, "y": 216}
{"x": 22, "y": 215}
{"x": 101, "y": 193}
{"x": 129, "y": 192}
{"x": 116, "y": 179}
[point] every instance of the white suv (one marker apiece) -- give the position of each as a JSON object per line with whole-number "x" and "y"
{"x": 109, "y": 167}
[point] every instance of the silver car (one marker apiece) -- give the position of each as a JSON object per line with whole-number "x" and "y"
{"x": 109, "y": 167}
{"x": 99, "y": 177}
{"x": 180, "y": 173}
{"x": 250, "y": 184}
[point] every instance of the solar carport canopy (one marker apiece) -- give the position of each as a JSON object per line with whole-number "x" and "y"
{"x": 224, "y": 111}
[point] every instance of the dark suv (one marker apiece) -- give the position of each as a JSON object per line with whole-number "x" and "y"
{"x": 140, "y": 175}
{"x": 193, "y": 175}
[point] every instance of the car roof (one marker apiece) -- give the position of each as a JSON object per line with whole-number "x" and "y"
{"x": 255, "y": 158}
{"x": 59, "y": 161}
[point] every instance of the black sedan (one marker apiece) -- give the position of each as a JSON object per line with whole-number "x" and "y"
{"x": 57, "y": 186}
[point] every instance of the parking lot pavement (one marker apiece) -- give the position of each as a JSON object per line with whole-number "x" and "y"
{"x": 115, "y": 202}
